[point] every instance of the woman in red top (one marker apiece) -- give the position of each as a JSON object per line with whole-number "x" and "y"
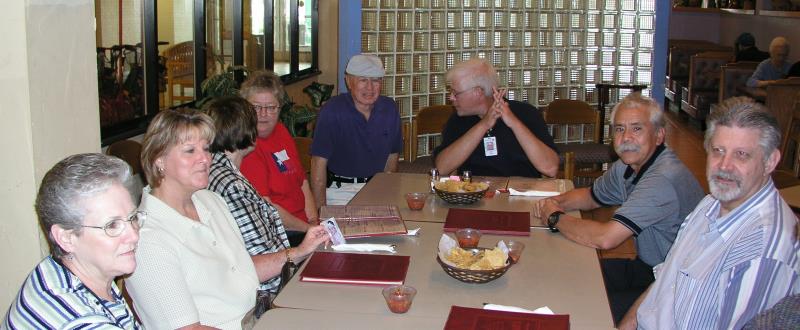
{"x": 274, "y": 167}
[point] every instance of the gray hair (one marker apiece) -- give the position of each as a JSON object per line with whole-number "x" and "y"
{"x": 638, "y": 101}
{"x": 476, "y": 72}
{"x": 744, "y": 112}
{"x": 779, "y": 42}
{"x": 68, "y": 183}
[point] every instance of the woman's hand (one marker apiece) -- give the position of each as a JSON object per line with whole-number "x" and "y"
{"x": 315, "y": 236}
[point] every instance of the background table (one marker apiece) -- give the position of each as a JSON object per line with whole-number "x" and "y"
{"x": 553, "y": 272}
{"x": 390, "y": 188}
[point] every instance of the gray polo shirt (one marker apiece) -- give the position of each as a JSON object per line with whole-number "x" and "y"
{"x": 653, "y": 203}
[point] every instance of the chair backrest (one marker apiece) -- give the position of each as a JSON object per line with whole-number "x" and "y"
{"x": 790, "y": 148}
{"x": 563, "y": 113}
{"x": 733, "y": 76}
{"x": 304, "y": 151}
{"x": 180, "y": 59}
{"x": 128, "y": 150}
{"x": 429, "y": 120}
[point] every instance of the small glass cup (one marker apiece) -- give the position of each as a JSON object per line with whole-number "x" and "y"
{"x": 399, "y": 298}
{"x": 515, "y": 250}
{"x": 416, "y": 200}
{"x": 468, "y": 238}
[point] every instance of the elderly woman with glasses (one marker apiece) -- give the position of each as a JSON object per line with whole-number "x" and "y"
{"x": 274, "y": 167}
{"x": 92, "y": 228}
{"x": 259, "y": 222}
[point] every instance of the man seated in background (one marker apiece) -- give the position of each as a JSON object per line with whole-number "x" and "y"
{"x": 655, "y": 192}
{"x": 775, "y": 67}
{"x": 745, "y": 49}
{"x": 357, "y": 135}
{"x": 737, "y": 253}
{"x": 489, "y": 135}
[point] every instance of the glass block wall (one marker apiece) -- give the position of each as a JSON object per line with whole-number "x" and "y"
{"x": 542, "y": 49}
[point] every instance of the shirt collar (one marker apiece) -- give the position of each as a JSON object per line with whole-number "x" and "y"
{"x": 729, "y": 223}
{"x": 169, "y": 218}
{"x": 629, "y": 171}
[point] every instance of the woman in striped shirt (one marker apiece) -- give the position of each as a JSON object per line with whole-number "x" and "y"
{"x": 93, "y": 229}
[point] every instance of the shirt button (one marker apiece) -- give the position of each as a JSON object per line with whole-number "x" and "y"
{"x": 233, "y": 269}
{"x": 214, "y": 243}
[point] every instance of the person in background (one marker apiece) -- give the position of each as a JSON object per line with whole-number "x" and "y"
{"x": 489, "y": 135}
{"x": 357, "y": 135}
{"x": 655, "y": 192}
{"x": 259, "y": 222}
{"x": 775, "y": 67}
{"x": 194, "y": 269}
{"x": 736, "y": 254}
{"x": 274, "y": 167}
{"x": 92, "y": 227}
{"x": 745, "y": 50}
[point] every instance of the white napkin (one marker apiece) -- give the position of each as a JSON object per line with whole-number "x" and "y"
{"x": 364, "y": 247}
{"x": 540, "y": 310}
{"x": 532, "y": 193}
{"x": 413, "y": 232}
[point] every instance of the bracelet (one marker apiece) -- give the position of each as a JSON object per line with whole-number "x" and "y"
{"x": 288, "y": 257}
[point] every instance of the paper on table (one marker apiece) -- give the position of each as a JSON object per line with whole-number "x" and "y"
{"x": 413, "y": 232}
{"x": 540, "y": 310}
{"x": 364, "y": 247}
{"x": 532, "y": 193}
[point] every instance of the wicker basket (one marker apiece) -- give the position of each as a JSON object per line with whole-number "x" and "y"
{"x": 460, "y": 197}
{"x": 473, "y": 276}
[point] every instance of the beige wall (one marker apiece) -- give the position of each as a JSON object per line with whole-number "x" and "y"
{"x": 764, "y": 28}
{"x": 328, "y": 51}
{"x": 725, "y": 28}
{"x": 48, "y": 88}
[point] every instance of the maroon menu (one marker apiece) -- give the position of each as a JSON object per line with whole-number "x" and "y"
{"x": 476, "y": 318}
{"x": 356, "y": 268}
{"x": 489, "y": 222}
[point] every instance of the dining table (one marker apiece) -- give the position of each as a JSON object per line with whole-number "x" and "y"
{"x": 390, "y": 188}
{"x": 552, "y": 271}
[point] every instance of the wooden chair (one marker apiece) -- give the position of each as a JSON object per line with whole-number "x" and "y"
{"x": 180, "y": 72}
{"x": 429, "y": 120}
{"x": 304, "y": 151}
{"x": 788, "y": 172}
{"x": 128, "y": 150}
{"x": 588, "y": 151}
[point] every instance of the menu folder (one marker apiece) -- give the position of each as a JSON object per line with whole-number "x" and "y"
{"x": 356, "y": 268}
{"x": 489, "y": 222}
{"x": 476, "y": 318}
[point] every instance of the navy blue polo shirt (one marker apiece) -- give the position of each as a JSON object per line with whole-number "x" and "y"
{"x": 353, "y": 145}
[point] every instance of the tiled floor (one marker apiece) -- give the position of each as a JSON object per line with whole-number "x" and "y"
{"x": 687, "y": 142}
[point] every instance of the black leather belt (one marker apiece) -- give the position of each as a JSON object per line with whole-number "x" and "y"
{"x": 344, "y": 179}
{"x": 333, "y": 178}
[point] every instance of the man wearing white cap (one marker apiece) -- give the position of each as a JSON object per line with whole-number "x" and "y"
{"x": 357, "y": 135}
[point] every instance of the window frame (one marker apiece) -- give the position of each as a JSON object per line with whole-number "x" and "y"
{"x": 137, "y": 126}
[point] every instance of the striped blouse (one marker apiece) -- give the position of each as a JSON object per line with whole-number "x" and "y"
{"x": 52, "y": 297}
{"x": 722, "y": 271}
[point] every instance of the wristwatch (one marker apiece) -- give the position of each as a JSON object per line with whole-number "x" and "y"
{"x": 552, "y": 220}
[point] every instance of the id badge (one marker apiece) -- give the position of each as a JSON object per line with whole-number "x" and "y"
{"x": 490, "y": 146}
{"x": 334, "y": 232}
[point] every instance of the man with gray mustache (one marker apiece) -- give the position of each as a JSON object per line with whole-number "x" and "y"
{"x": 653, "y": 189}
{"x": 737, "y": 253}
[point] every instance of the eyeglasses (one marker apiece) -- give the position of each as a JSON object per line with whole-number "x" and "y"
{"x": 268, "y": 108}
{"x": 117, "y": 226}
{"x": 455, "y": 94}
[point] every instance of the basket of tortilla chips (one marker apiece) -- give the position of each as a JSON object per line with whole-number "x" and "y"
{"x": 459, "y": 192}
{"x": 475, "y": 265}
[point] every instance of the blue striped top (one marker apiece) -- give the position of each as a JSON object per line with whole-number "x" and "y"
{"x": 52, "y": 297}
{"x": 722, "y": 271}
